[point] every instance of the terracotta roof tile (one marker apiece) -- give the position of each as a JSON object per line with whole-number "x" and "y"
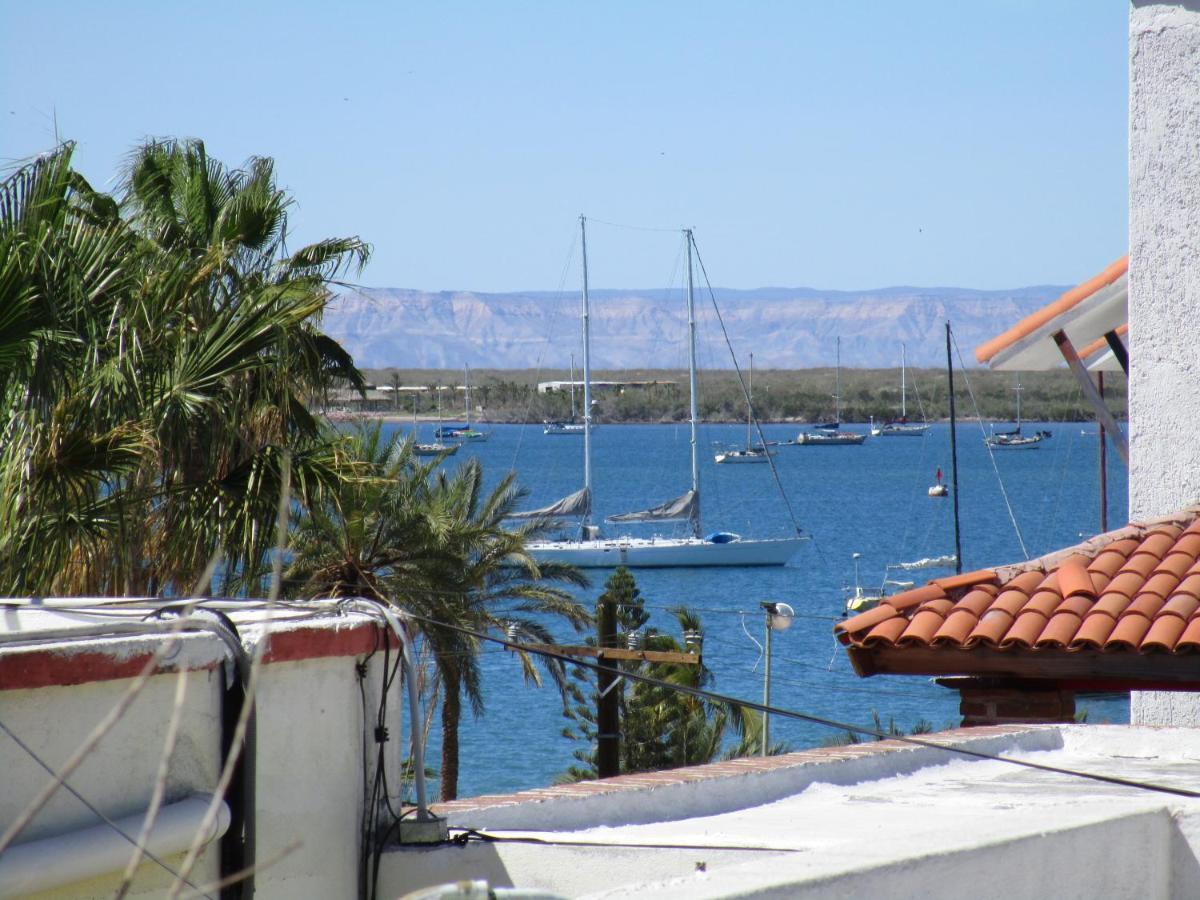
{"x": 1144, "y": 604}
{"x": 1164, "y": 633}
{"x": 1129, "y": 632}
{"x": 1079, "y": 606}
{"x": 1127, "y": 584}
{"x": 1111, "y": 558}
{"x": 1094, "y": 631}
{"x": 939, "y": 605}
{"x": 886, "y": 632}
{"x": 915, "y": 597}
{"x": 921, "y": 628}
{"x": 1059, "y": 630}
{"x": 993, "y": 625}
{"x": 967, "y": 579}
{"x": 1190, "y": 585}
{"x": 1135, "y": 590}
{"x": 1181, "y": 605}
{"x": 1025, "y": 630}
{"x": 1177, "y": 562}
{"x": 1073, "y": 577}
{"x": 1045, "y": 601}
{"x": 864, "y": 621}
{"x": 957, "y": 626}
{"x": 1140, "y": 563}
{"x": 976, "y": 601}
{"x": 1012, "y": 602}
{"x": 1190, "y": 639}
{"x": 1161, "y": 584}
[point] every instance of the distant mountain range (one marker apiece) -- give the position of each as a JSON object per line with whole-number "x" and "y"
{"x": 783, "y": 327}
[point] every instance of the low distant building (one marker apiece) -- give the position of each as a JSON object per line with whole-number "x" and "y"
{"x": 618, "y": 387}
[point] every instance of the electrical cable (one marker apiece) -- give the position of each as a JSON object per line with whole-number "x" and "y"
{"x": 745, "y": 390}
{"x": 467, "y": 835}
{"x": 1012, "y": 516}
{"x": 714, "y": 697}
{"x": 94, "y": 810}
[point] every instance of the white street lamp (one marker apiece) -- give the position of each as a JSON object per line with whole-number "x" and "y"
{"x": 779, "y": 618}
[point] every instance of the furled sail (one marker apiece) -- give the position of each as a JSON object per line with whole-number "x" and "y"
{"x": 681, "y": 509}
{"x": 573, "y": 505}
{"x": 930, "y": 562}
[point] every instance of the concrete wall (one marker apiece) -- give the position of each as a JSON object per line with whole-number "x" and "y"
{"x": 1164, "y": 280}
{"x": 310, "y": 759}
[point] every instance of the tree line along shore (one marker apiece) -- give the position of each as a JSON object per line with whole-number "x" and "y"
{"x": 780, "y": 395}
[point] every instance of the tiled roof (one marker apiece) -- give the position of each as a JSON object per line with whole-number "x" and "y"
{"x": 1132, "y": 592}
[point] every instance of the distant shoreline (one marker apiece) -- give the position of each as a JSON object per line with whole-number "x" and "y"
{"x": 402, "y": 419}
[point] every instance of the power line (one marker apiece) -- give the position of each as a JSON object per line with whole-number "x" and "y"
{"x": 100, "y": 815}
{"x": 714, "y": 697}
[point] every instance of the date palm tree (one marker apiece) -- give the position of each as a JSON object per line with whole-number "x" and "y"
{"x": 436, "y": 544}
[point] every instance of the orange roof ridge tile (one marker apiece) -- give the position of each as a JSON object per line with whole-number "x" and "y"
{"x": 1094, "y": 546}
{"x": 1073, "y": 577}
{"x": 1036, "y": 320}
{"x": 966, "y": 579}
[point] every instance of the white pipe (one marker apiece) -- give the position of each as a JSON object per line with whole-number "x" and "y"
{"x": 67, "y": 858}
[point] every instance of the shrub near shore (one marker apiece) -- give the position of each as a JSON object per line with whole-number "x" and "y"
{"x": 780, "y": 395}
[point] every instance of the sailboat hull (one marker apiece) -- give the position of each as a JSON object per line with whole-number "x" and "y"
{"x": 901, "y": 430}
{"x": 569, "y": 428}
{"x": 740, "y": 457}
{"x": 653, "y": 553}
{"x": 829, "y": 438}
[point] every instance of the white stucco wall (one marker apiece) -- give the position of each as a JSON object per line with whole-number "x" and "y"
{"x": 310, "y": 728}
{"x": 1164, "y": 281}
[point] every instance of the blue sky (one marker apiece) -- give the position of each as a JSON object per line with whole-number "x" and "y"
{"x": 832, "y": 145}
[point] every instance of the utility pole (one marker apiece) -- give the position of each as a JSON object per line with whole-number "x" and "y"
{"x": 608, "y": 707}
{"x": 1103, "y": 460}
{"x": 608, "y": 704}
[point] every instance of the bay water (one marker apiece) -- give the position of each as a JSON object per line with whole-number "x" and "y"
{"x": 870, "y": 499}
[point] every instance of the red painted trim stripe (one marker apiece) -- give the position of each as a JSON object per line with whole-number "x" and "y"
{"x": 24, "y": 668}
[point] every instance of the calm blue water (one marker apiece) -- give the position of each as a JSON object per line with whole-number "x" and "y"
{"x": 869, "y": 499}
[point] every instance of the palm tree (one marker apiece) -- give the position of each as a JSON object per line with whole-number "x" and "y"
{"x": 155, "y": 360}
{"x": 436, "y": 543}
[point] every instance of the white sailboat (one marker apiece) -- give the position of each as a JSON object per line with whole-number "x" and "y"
{"x": 464, "y": 432}
{"x": 1013, "y": 439}
{"x": 437, "y": 448}
{"x": 828, "y": 434}
{"x": 901, "y": 427}
{"x": 751, "y": 454}
{"x": 591, "y": 550}
{"x": 570, "y": 426}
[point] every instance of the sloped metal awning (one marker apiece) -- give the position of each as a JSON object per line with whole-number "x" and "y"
{"x": 1086, "y": 328}
{"x": 1085, "y": 314}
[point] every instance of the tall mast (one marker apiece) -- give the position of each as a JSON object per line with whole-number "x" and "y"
{"x": 903, "y": 384}
{"x": 750, "y": 402}
{"x": 467, "y": 395}
{"x": 692, "y": 406}
{"x": 587, "y": 377}
{"x": 837, "y": 383}
{"x": 953, "y": 454}
{"x": 572, "y": 387}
